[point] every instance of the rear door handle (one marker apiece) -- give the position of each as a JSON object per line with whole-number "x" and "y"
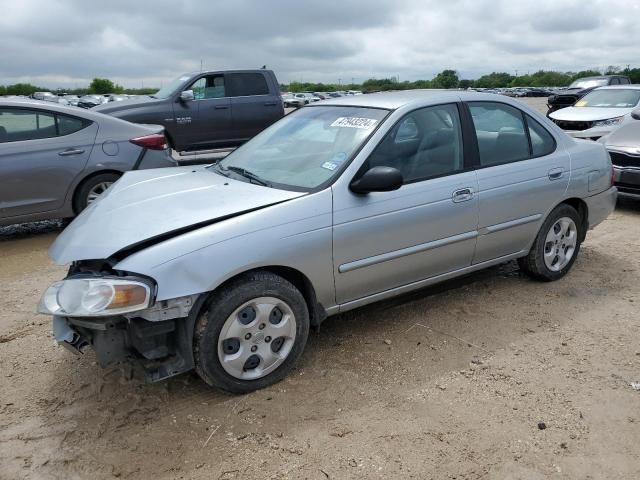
{"x": 462, "y": 195}
{"x": 555, "y": 173}
{"x": 71, "y": 151}
{"x": 270, "y": 104}
{"x": 221, "y": 107}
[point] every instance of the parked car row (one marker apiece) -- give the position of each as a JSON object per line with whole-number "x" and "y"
{"x": 519, "y": 91}
{"x": 301, "y": 99}
{"x": 84, "y": 101}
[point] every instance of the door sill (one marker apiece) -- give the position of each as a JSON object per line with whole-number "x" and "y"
{"x": 423, "y": 283}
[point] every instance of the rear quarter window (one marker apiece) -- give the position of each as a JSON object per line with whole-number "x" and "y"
{"x": 68, "y": 125}
{"x": 542, "y": 142}
{"x": 247, "y": 84}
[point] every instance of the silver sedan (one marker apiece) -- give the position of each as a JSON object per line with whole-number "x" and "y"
{"x": 55, "y": 160}
{"x": 225, "y": 268}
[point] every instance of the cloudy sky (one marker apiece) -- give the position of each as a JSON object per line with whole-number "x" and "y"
{"x": 65, "y": 43}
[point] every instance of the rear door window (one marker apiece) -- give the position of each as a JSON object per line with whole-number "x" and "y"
{"x": 23, "y": 124}
{"x": 501, "y": 133}
{"x": 247, "y": 84}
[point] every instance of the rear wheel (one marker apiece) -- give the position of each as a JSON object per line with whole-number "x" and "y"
{"x": 251, "y": 334}
{"x": 92, "y": 188}
{"x": 556, "y": 246}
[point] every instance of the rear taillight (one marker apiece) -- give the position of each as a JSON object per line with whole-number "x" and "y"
{"x": 613, "y": 177}
{"x": 155, "y": 141}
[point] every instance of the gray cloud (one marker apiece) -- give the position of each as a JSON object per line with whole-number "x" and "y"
{"x": 67, "y": 42}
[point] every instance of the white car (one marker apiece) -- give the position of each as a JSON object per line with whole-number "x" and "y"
{"x": 599, "y": 112}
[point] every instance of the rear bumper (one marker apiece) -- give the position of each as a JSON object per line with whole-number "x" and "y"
{"x": 601, "y": 205}
{"x": 627, "y": 180}
{"x": 155, "y": 159}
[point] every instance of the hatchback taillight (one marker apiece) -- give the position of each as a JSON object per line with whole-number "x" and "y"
{"x": 155, "y": 141}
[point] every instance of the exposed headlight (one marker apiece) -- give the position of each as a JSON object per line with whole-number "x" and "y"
{"x": 95, "y": 297}
{"x": 609, "y": 122}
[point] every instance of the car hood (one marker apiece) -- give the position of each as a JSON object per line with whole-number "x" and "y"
{"x": 588, "y": 114}
{"x": 111, "y": 107}
{"x": 627, "y": 136}
{"x": 152, "y": 205}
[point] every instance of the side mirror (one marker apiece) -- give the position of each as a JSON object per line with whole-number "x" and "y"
{"x": 378, "y": 179}
{"x": 636, "y": 114}
{"x": 186, "y": 96}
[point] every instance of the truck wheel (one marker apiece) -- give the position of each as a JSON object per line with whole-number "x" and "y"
{"x": 92, "y": 188}
{"x": 556, "y": 246}
{"x": 250, "y": 333}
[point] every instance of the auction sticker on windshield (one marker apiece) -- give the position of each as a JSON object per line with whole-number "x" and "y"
{"x": 355, "y": 122}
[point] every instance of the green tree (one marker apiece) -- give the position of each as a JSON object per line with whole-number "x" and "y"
{"x": 380, "y": 84}
{"x": 494, "y": 80}
{"x": 584, "y": 73}
{"x": 633, "y": 74}
{"x": 22, "y": 89}
{"x": 104, "y": 85}
{"x": 446, "y": 79}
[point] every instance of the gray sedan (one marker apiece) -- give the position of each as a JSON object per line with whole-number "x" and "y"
{"x": 55, "y": 160}
{"x": 224, "y": 268}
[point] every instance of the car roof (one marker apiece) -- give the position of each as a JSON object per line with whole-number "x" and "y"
{"x": 396, "y": 99}
{"x": 52, "y": 107}
{"x": 418, "y": 98}
{"x": 634, "y": 86}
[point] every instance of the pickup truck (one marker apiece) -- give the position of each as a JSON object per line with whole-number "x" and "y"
{"x": 207, "y": 109}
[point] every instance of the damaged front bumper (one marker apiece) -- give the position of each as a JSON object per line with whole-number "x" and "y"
{"x": 160, "y": 347}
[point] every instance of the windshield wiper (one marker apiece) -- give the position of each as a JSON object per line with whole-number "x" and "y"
{"x": 247, "y": 174}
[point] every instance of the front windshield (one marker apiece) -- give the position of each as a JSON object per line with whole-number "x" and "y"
{"x": 305, "y": 149}
{"x": 589, "y": 83}
{"x": 610, "y": 98}
{"x": 170, "y": 88}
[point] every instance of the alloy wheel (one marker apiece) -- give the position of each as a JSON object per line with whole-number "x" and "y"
{"x": 96, "y": 191}
{"x": 560, "y": 244}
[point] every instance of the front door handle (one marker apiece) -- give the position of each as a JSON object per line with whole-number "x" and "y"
{"x": 270, "y": 104}
{"x": 71, "y": 151}
{"x": 462, "y": 195}
{"x": 555, "y": 173}
{"x": 221, "y": 107}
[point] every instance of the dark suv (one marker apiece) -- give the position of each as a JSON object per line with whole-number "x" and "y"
{"x": 580, "y": 87}
{"x": 208, "y": 109}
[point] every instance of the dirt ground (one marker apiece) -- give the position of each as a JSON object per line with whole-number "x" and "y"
{"x": 491, "y": 376}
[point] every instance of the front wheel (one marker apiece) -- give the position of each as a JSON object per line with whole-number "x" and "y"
{"x": 556, "y": 246}
{"x": 251, "y": 333}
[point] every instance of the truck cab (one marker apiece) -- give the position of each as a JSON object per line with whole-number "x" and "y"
{"x": 208, "y": 109}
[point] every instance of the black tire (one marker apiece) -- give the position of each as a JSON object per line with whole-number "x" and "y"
{"x": 221, "y": 306}
{"x": 81, "y": 198}
{"x": 533, "y": 264}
